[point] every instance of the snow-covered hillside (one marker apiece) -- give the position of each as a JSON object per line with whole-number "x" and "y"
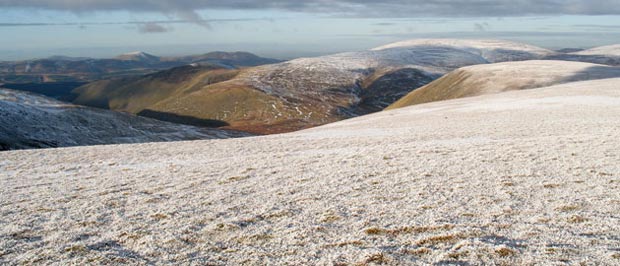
{"x": 494, "y": 78}
{"x": 610, "y": 50}
{"x": 31, "y": 121}
{"x": 607, "y": 55}
{"x": 491, "y": 50}
{"x": 519, "y": 178}
{"x": 338, "y": 83}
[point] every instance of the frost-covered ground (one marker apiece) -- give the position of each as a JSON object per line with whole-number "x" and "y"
{"x": 518, "y": 178}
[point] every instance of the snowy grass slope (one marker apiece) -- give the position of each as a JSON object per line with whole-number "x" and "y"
{"x": 517, "y": 178}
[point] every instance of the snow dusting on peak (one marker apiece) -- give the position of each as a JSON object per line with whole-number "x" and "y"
{"x": 137, "y": 56}
{"x": 491, "y": 50}
{"x": 464, "y": 43}
{"x": 136, "y": 53}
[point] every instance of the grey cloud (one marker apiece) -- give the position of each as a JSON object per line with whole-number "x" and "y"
{"x": 84, "y": 24}
{"x": 151, "y": 27}
{"x": 186, "y": 9}
{"x": 385, "y": 24}
{"x": 481, "y": 26}
{"x": 598, "y": 27}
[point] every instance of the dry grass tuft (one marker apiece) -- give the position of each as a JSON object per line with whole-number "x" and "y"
{"x": 567, "y": 208}
{"x": 233, "y": 179}
{"x": 76, "y": 250}
{"x": 330, "y": 218}
{"x": 439, "y": 239}
{"x": 406, "y": 230}
{"x": 418, "y": 251}
{"x": 378, "y": 258}
{"x": 159, "y": 216}
{"x": 346, "y": 243}
{"x": 458, "y": 255}
{"x": 505, "y": 252}
{"x": 577, "y": 219}
{"x": 254, "y": 239}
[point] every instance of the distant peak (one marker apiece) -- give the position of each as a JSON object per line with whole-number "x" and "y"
{"x": 137, "y": 55}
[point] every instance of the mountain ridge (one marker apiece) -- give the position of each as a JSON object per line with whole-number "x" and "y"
{"x": 307, "y": 92}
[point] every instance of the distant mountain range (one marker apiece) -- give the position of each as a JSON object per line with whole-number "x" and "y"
{"x": 31, "y": 121}
{"x": 300, "y": 93}
{"x": 243, "y": 92}
{"x": 69, "y": 69}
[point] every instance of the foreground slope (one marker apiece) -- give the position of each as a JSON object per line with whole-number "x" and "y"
{"x": 31, "y": 121}
{"x": 500, "y": 77}
{"x": 518, "y": 178}
{"x": 308, "y": 92}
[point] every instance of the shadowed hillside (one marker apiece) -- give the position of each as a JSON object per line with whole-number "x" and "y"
{"x": 29, "y": 121}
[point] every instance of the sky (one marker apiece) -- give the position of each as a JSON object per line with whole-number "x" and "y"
{"x": 290, "y": 28}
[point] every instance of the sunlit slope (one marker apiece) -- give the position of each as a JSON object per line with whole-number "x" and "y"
{"x": 500, "y": 77}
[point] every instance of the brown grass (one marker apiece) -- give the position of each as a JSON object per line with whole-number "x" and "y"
{"x": 418, "y": 251}
{"x": 434, "y": 240}
{"x": 378, "y": 258}
{"x": 346, "y": 243}
{"x": 551, "y": 185}
{"x": 567, "y": 208}
{"x": 159, "y": 216}
{"x": 577, "y": 219}
{"x": 406, "y": 230}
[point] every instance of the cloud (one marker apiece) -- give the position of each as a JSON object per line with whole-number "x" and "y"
{"x": 187, "y": 9}
{"x": 151, "y": 27}
{"x": 481, "y": 26}
{"x": 385, "y": 24}
{"x": 84, "y": 24}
